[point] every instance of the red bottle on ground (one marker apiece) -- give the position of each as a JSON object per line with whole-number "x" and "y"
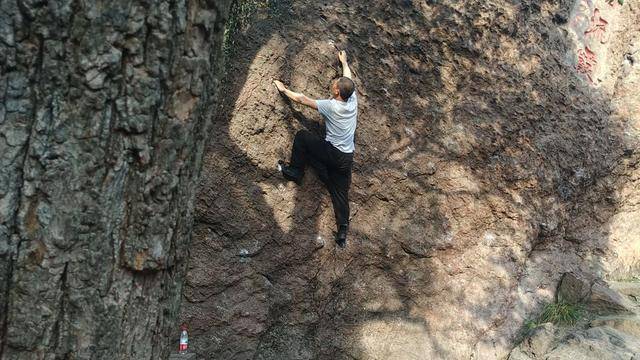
{"x": 184, "y": 339}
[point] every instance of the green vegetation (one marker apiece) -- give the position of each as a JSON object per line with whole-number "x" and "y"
{"x": 558, "y": 313}
{"x": 630, "y": 279}
{"x": 530, "y": 325}
{"x": 561, "y": 313}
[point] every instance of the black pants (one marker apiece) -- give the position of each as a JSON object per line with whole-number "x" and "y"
{"x": 333, "y": 167}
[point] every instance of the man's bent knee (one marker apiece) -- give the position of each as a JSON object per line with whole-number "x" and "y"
{"x": 302, "y": 134}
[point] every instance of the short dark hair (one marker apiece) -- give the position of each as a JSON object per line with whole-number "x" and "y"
{"x": 346, "y": 87}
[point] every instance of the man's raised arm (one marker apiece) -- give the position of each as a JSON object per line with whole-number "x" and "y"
{"x": 342, "y": 56}
{"x": 297, "y": 97}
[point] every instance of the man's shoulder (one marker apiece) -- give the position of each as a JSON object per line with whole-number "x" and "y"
{"x": 326, "y": 101}
{"x": 353, "y": 98}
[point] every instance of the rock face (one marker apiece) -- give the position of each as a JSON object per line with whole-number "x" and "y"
{"x": 104, "y": 107}
{"x": 598, "y": 342}
{"x": 600, "y": 298}
{"x": 612, "y": 332}
{"x": 492, "y": 157}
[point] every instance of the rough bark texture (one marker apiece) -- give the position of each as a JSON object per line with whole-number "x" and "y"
{"x": 487, "y": 164}
{"x": 104, "y": 107}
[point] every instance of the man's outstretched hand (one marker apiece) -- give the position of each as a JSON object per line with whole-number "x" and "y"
{"x": 297, "y": 97}
{"x": 342, "y": 56}
{"x": 279, "y": 85}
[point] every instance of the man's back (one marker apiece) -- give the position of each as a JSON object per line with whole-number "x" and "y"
{"x": 341, "y": 119}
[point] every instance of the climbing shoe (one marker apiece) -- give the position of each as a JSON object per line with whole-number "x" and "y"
{"x": 341, "y": 236}
{"x": 289, "y": 173}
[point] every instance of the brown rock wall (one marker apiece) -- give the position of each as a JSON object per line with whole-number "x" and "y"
{"x": 486, "y": 166}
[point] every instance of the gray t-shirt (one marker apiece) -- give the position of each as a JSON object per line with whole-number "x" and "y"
{"x": 340, "y": 119}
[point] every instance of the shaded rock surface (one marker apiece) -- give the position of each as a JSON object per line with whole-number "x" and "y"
{"x": 486, "y": 166}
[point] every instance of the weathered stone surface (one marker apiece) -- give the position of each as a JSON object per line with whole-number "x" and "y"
{"x": 604, "y": 299}
{"x": 612, "y": 333}
{"x": 629, "y": 324}
{"x": 580, "y": 288}
{"x": 600, "y": 342}
{"x": 104, "y": 107}
{"x": 574, "y": 288}
{"x": 540, "y": 341}
{"x": 630, "y": 289}
{"x": 188, "y": 356}
{"x": 486, "y": 167}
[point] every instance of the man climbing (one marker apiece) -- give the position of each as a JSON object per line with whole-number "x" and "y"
{"x": 332, "y": 157}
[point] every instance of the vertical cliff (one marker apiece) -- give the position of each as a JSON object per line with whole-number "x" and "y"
{"x": 496, "y": 150}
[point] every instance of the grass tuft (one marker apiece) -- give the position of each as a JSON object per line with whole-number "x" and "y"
{"x": 558, "y": 313}
{"x": 561, "y": 313}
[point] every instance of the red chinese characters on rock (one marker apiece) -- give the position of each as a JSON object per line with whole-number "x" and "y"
{"x": 598, "y": 27}
{"x": 586, "y": 62}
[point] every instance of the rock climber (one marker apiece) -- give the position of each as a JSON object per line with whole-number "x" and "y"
{"x": 331, "y": 157}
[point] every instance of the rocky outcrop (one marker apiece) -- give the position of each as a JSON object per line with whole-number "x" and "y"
{"x": 595, "y": 293}
{"x": 596, "y": 342}
{"x": 610, "y": 330}
{"x": 104, "y": 107}
{"x": 492, "y": 157}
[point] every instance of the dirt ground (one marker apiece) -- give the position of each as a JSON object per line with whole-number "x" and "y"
{"x": 486, "y": 166}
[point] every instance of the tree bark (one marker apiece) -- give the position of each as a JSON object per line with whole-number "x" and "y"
{"x": 104, "y": 111}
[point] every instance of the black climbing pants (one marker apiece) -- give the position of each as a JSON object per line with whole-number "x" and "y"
{"x": 332, "y": 165}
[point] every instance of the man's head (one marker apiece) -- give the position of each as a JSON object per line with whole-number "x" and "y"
{"x": 342, "y": 88}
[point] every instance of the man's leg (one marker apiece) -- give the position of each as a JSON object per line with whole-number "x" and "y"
{"x": 307, "y": 149}
{"x": 338, "y": 186}
{"x": 339, "y": 190}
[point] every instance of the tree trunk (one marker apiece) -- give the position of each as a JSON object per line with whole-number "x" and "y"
{"x": 104, "y": 111}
